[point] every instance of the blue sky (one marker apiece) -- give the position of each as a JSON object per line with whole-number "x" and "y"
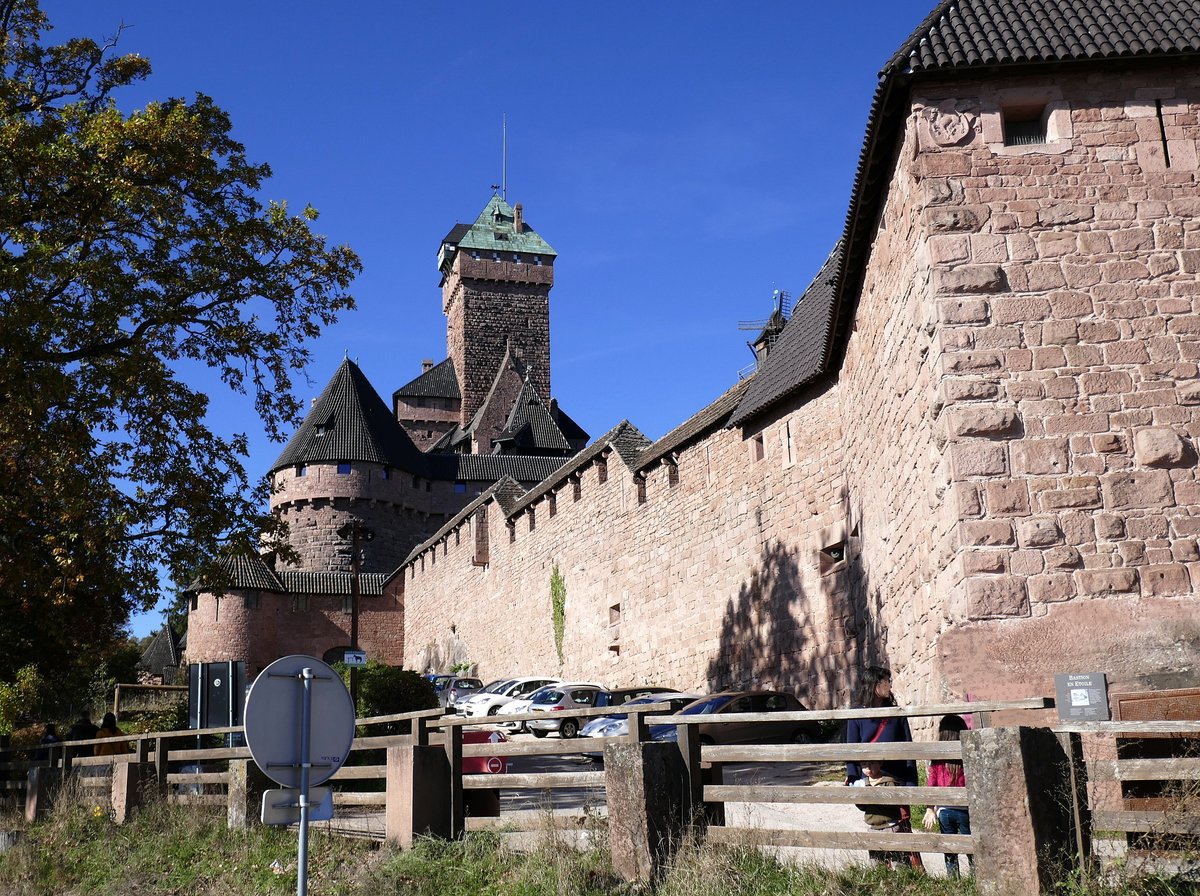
{"x": 683, "y": 159}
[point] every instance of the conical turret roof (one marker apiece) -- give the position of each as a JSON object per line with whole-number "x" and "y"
{"x": 350, "y": 422}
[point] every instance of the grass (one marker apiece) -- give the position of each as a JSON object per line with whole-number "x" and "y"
{"x": 185, "y": 851}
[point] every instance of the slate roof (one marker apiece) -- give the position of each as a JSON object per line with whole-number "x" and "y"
{"x": 493, "y": 231}
{"x": 163, "y": 653}
{"x": 715, "y": 416}
{"x": 295, "y": 581}
{"x": 350, "y": 422}
{"x": 798, "y": 355}
{"x": 959, "y": 38}
{"x": 480, "y": 467}
{"x": 240, "y": 572}
{"x": 530, "y": 427}
{"x": 439, "y": 381}
{"x": 962, "y": 34}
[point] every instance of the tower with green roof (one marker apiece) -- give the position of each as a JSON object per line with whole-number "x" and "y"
{"x": 496, "y": 276}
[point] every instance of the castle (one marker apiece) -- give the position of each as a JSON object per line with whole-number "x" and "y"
{"x": 970, "y": 453}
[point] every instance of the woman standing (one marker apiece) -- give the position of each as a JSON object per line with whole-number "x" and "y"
{"x": 875, "y": 691}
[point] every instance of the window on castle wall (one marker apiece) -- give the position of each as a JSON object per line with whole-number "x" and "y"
{"x": 429, "y": 485}
{"x": 1024, "y": 125}
{"x": 602, "y": 470}
{"x": 299, "y": 603}
{"x": 614, "y": 614}
{"x": 387, "y": 472}
{"x": 343, "y": 469}
{"x": 460, "y": 488}
{"x": 757, "y": 448}
{"x": 347, "y": 604}
{"x": 552, "y": 504}
{"x": 512, "y": 532}
{"x": 576, "y": 488}
{"x": 785, "y": 437}
{"x": 532, "y": 520}
{"x": 672, "y": 475}
{"x": 641, "y": 489}
{"x": 301, "y": 470}
{"x": 416, "y": 482}
{"x": 194, "y": 602}
{"x": 251, "y": 601}
{"x": 833, "y": 557}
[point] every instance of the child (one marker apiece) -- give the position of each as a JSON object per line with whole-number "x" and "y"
{"x": 947, "y": 773}
{"x": 893, "y": 818}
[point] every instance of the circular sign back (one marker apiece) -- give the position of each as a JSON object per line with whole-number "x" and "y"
{"x": 275, "y": 716}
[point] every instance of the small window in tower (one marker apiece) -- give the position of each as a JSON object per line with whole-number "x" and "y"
{"x": 576, "y": 488}
{"x": 348, "y": 604}
{"x": 602, "y": 469}
{"x": 641, "y": 488}
{"x": 251, "y": 601}
{"x": 552, "y": 503}
{"x": 757, "y": 448}
{"x": 516, "y": 258}
{"x": 416, "y": 482}
{"x": 537, "y": 259}
{"x": 301, "y": 469}
{"x": 344, "y": 468}
{"x": 833, "y": 557}
{"x": 614, "y": 614}
{"x": 299, "y": 603}
{"x": 387, "y": 472}
{"x": 460, "y": 488}
{"x": 429, "y": 485}
{"x": 1024, "y": 125}
{"x": 512, "y": 531}
{"x": 672, "y": 474}
{"x": 194, "y": 602}
{"x": 495, "y": 256}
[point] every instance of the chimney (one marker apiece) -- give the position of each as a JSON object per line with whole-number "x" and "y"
{"x": 426, "y": 365}
{"x": 518, "y": 219}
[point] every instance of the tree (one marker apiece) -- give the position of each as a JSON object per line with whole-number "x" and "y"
{"x": 134, "y": 253}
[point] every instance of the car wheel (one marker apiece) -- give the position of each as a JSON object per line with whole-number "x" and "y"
{"x": 493, "y": 709}
{"x": 802, "y": 736}
{"x": 537, "y": 732}
{"x": 568, "y": 729}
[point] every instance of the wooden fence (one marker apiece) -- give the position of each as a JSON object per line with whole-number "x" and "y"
{"x": 376, "y": 792}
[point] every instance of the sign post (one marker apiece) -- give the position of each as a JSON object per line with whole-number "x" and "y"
{"x": 280, "y": 709}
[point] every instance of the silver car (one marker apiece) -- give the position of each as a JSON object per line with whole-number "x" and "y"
{"x": 557, "y": 700}
{"x": 489, "y": 704}
{"x": 617, "y": 725}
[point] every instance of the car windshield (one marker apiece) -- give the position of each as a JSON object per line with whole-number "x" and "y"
{"x": 706, "y": 707}
{"x": 495, "y": 686}
{"x": 543, "y": 698}
{"x": 442, "y": 681}
{"x": 466, "y": 684}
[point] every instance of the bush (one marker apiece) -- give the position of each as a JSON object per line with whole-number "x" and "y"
{"x": 385, "y": 690}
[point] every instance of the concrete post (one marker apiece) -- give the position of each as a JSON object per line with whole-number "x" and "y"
{"x": 418, "y": 784}
{"x": 246, "y": 787}
{"x": 41, "y": 788}
{"x": 129, "y": 781}
{"x": 1019, "y": 787}
{"x": 647, "y": 788}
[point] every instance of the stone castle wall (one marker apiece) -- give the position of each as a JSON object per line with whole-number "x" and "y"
{"x": 400, "y": 508}
{"x": 260, "y": 627}
{"x": 1007, "y": 456}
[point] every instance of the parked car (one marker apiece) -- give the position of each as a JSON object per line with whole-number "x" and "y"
{"x": 759, "y": 732}
{"x": 450, "y": 687}
{"x": 490, "y": 688}
{"x": 488, "y": 704}
{"x": 617, "y": 725}
{"x": 555, "y": 701}
{"x": 516, "y": 707}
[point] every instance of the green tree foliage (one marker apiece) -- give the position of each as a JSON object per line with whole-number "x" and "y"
{"x": 135, "y": 259}
{"x": 386, "y": 690}
{"x": 558, "y": 609}
{"x": 19, "y": 697}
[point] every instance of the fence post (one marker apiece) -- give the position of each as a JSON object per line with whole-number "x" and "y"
{"x": 695, "y": 810}
{"x": 646, "y": 787}
{"x": 1019, "y": 788}
{"x": 246, "y": 787}
{"x": 41, "y": 788}
{"x": 418, "y": 779}
{"x": 128, "y": 785}
{"x": 161, "y": 743}
{"x": 454, "y": 746}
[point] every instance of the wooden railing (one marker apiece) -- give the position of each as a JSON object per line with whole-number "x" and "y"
{"x": 365, "y": 791}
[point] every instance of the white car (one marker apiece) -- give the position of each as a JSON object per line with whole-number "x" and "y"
{"x": 522, "y": 706}
{"x": 488, "y": 704}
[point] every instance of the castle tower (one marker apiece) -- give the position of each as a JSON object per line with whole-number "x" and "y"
{"x": 496, "y": 279}
{"x": 350, "y": 460}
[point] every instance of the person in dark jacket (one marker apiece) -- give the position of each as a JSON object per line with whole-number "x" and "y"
{"x": 82, "y": 729}
{"x": 875, "y": 691}
{"x": 49, "y": 738}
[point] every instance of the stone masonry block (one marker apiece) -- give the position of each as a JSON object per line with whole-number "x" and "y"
{"x": 993, "y": 597}
{"x": 986, "y": 533}
{"x": 970, "y": 279}
{"x": 976, "y": 562}
{"x": 1063, "y": 557}
{"x": 1169, "y": 579}
{"x": 964, "y": 311}
{"x": 1064, "y": 213}
{"x": 953, "y": 219}
{"x": 968, "y": 390}
{"x": 1101, "y": 582}
{"x": 1038, "y": 532}
{"x": 1066, "y": 498}
{"x": 1007, "y": 498}
{"x": 1040, "y": 456}
{"x": 1158, "y": 447}
{"x": 986, "y": 422}
{"x": 973, "y": 362}
{"x": 1052, "y": 588}
{"x": 1060, "y": 332}
{"x": 1141, "y": 490}
{"x": 977, "y": 458}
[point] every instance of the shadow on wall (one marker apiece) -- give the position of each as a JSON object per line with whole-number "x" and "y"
{"x": 776, "y": 636}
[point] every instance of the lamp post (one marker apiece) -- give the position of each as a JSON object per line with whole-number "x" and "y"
{"x": 358, "y": 535}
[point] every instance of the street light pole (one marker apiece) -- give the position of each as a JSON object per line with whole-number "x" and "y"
{"x": 358, "y": 535}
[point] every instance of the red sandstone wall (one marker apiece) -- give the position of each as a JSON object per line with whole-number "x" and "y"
{"x": 1064, "y": 279}
{"x": 221, "y": 628}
